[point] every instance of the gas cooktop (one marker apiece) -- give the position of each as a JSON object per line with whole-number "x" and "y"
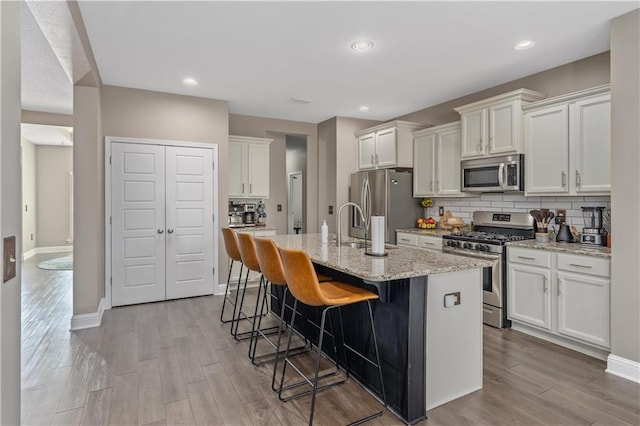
{"x": 485, "y": 237}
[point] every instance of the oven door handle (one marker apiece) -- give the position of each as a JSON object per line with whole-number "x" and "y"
{"x": 501, "y": 177}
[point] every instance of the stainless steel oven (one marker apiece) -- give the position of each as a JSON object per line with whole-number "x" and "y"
{"x": 492, "y": 280}
{"x": 491, "y": 231}
{"x": 495, "y": 174}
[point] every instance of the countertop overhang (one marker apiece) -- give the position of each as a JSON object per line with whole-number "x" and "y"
{"x": 400, "y": 262}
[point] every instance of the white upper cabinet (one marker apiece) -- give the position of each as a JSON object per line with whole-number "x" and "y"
{"x": 568, "y": 142}
{"x": 387, "y": 145}
{"x": 493, "y": 126}
{"x": 436, "y": 169}
{"x": 248, "y": 167}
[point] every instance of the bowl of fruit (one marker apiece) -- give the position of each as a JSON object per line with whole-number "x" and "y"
{"x": 428, "y": 223}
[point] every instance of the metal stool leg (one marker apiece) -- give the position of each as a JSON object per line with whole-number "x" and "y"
{"x": 227, "y": 293}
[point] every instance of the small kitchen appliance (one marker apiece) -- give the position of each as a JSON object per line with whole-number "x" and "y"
{"x": 249, "y": 214}
{"x": 593, "y": 232}
{"x": 491, "y": 231}
{"x": 564, "y": 234}
{"x": 495, "y": 174}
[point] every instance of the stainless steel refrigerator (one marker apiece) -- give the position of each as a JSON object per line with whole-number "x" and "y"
{"x": 387, "y": 193}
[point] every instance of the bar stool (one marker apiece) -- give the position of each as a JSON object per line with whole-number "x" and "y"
{"x": 247, "y": 248}
{"x": 231, "y": 247}
{"x": 305, "y": 288}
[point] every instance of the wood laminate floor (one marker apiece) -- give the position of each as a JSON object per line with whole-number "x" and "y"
{"x": 175, "y": 363}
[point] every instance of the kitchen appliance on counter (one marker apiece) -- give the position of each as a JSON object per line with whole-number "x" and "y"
{"x": 495, "y": 174}
{"x": 387, "y": 193}
{"x": 491, "y": 231}
{"x": 249, "y": 214}
{"x": 593, "y": 232}
{"x": 564, "y": 234}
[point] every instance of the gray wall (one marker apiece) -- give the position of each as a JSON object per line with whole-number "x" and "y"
{"x": 53, "y": 194}
{"x": 144, "y": 114}
{"x": 244, "y": 125}
{"x": 583, "y": 74}
{"x": 10, "y": 210}
{"x": 625, "y": 184}
{"x": 29, "y": 200}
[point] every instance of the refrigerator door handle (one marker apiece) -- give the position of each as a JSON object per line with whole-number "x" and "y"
{"x": 366, "y": 203}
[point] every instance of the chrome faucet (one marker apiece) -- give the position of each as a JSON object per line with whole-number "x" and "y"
{"x": 338, "y": 230}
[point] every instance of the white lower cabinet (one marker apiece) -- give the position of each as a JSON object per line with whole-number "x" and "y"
{"x": 529, "y": 296}
{"x": 583, "y": 308}
{"x": 425, "y": 242}
{"x": 565, "y": 297}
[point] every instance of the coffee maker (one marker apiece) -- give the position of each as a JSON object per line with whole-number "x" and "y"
{"x": 593, "y": 233}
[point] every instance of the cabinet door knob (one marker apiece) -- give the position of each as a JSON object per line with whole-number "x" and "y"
{"x": 170, "y": 231}
{"x": 160, "y": 231}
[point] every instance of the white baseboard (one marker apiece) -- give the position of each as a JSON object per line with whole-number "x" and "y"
{"x": 78, "y": 322}
{"x": 53, "y": 249}
{"x": 30, "y": 253}
{"x": 623, "y": 367}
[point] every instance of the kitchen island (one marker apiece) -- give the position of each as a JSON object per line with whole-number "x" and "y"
{"x": 431, "y": 353}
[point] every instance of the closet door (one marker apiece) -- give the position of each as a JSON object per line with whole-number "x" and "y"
{"x": 189, "y": 221}
{"x": 138, "y": 223}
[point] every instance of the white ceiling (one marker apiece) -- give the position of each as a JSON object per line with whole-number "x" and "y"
{"x": 258, "y": 55}
{"x": 40, "y": 134}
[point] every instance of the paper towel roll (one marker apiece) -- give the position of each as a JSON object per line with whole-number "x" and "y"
{"x": 377, "y": 234}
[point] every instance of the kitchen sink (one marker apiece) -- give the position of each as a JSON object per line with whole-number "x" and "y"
{"x": 355, "y": 244}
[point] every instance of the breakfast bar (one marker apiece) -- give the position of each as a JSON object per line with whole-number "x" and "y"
{"x": 428, "y": 320}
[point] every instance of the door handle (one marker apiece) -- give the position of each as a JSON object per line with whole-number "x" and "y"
{"x": 250, "y": 188}
{"x": 559, "y": 291}
{"x": 490, "y": 144}
{"x": 564, "y": 179}
{"x": 377, "y": 159}
{"x": 170, "y": 231}
{"x": 546, "y": 287}
{"x": 243, "y": 188}
{"x": 578, "y": 179}
{"x": 481, "y": 145}
{"x": 431, "y": 186}
{"x": 160, "y": 231}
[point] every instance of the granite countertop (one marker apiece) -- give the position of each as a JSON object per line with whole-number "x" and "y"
{"x": 401, "y": 262}
{"x": 430, "y": 232}
{"x": 570, "y": 248}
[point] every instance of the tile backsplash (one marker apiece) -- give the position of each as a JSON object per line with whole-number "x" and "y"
{"x": 464, "y": 207}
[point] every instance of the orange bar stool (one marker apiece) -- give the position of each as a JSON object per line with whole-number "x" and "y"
{"x": 231, "y": 247}
{"x": 273, "y": 271}
{"x": 247, "y": 248}
{"x": 305, "y": 288}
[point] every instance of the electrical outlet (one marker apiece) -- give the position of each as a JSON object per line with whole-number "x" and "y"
{"x": 330, "y": 209}
{"x": 561, "y": 217}
{"x": 279, "y": 207}
{"x": 441, "y": 211}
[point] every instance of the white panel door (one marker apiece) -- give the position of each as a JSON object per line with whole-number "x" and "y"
{"x": 386, "y": 148}
{"x": 504, "y": 132}
{"x": 583, "y": 308}
{"x": 258, "y": 170}
{"x": 189, "y": 222}
{"x": 448, "y": 148}
{"x": 237, "y": 170}
{"x": 474, "y": 130}
{"x": 547, "y": 146}
{"x": 590, "y": 133}
{"x": 367, "y": 152}
{"x": 529, "y": 295}
{"x": 138, "y": 223}
{"x": 423, "y": 161}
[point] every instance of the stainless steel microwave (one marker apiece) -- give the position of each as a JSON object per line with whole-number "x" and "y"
{"x": 495, "y": 174}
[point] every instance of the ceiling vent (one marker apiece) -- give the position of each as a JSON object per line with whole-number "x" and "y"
{"x": 301, "y": 100}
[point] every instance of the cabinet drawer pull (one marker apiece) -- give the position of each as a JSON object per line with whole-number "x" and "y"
{"x": 377, "y": 159}
{"x": 580, "y": 266}
{"x": 564, "y": 179}
{"x": 429, "y": 244}
{"x": 405, "y": 240}
{"x": 250, "y": 188}
{"x": 526, "y": 258}
{"x": 243, "y": 188}
{"x": 431, "y": 183}
{"x": 578, "y": 179}
{"x": 546, "y": 287}
{"x": 559, "y": 284}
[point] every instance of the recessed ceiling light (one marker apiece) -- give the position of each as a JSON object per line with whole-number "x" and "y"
{"x": 301, "y": 100}
{"x": 362, "y": 45}
{"x": 364, "y": 108}
{"x": 190, "y": 81}
{"x": 524, "y": 45}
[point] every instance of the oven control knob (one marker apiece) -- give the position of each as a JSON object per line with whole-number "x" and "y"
{"x": 467, "y": 245}
{"x": 459, "y": 244}
{"x": 482, "y": 247}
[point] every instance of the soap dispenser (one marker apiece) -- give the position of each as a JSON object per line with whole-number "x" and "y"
{"x": 324, "y": 230}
